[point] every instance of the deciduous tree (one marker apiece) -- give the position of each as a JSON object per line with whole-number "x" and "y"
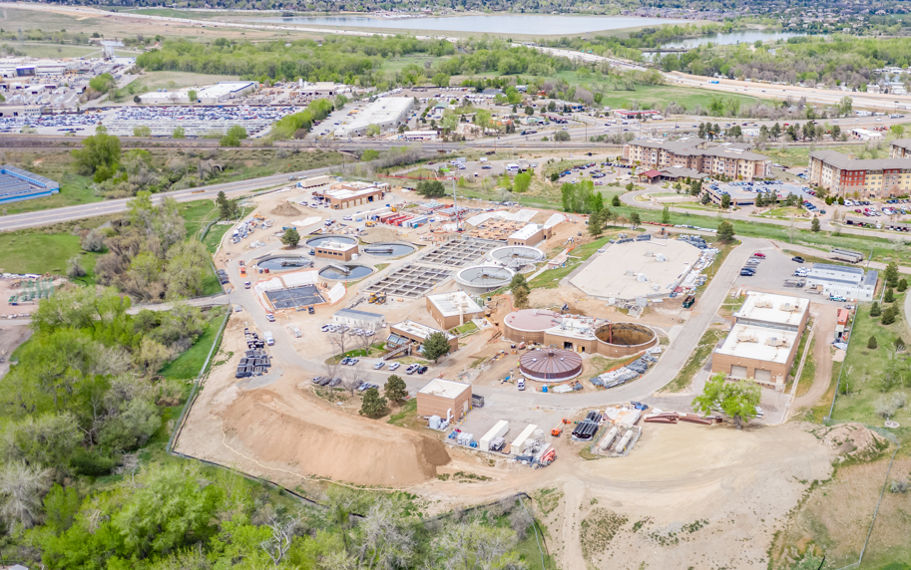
{"x": 736, "y": 399}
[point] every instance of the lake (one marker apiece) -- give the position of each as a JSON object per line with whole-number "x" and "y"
{"x": 525, "y": 24}
{"x": 748, "y": 37}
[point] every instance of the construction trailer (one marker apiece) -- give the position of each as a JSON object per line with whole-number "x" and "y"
{"x": 497, "y": 431}
{"x": 518, "y": 444}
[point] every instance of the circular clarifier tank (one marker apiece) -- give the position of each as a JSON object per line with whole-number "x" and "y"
{"x": 284, "y": 263}
{"x": 514, "y": 256}
{"x": 483, "y": 278}
{"x": 391, "y": 249}
{"x": 313, "y": 242}
{"x": 550, "y": 364}
{"x": 351, "y": 272}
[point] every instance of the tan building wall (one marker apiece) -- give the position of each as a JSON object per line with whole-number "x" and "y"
{"x": 723, "y": 363}
{"x": 448, "y": 322}
{"x": 335, "y": 254}
{"x": 366, "y": 198}
{"x": 535, "y": 239}
{"x": 593, "y": 346}
{"x": 430, "y": 405}
{"x": 516, "y": 335}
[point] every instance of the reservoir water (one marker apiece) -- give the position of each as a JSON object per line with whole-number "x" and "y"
{"x": 524, "y": 24}
{"x": 748, "y": 36}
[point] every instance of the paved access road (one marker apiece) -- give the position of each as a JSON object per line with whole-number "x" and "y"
{"x": 69, "y": 213}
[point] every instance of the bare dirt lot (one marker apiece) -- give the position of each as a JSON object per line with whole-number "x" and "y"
{"x": 294, "y": 435}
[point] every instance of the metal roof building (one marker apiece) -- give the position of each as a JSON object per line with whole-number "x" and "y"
{"x": 550, "y": 364}
{"x": 17, "y": 184}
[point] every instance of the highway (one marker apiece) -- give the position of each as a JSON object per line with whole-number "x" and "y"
{"x": 107, "y": 207}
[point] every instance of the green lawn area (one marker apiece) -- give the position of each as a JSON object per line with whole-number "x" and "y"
{"x": 550, "y": 279}
{"x": 800, "y": 156}
{"x": 696, "y": 361}
{"x": 400, "y": 63}
{"x": 51, "y": 50}
{"x": 153, "y": 80}
{"x": 784, "y": 212}
{"x": 865, "y": 368}
{"x": 35, "y": 252}
{"x": 648, "y": 96}
{"x": 808, "y": 374}
{"x": 196, "y": 214}
{"x": 466, "y": 328}
{"x": 187, "y": 365}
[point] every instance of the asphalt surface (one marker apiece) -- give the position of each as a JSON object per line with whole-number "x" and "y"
{"x": 107, "y": 207}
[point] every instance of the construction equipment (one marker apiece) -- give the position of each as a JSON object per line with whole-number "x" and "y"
{"x": 370, "y": 224}
{"x": 378, "y": 298}
{"x": 559, "y": 429}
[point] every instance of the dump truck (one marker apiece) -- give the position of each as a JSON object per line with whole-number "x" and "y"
{"x": 689, "y": 301}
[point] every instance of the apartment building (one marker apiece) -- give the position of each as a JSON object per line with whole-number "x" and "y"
{"x": 733, "y": 160}
{"x": 870, "y": 178}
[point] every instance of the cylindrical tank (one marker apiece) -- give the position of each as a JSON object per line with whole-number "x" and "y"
{"x": 627, "y": 437}
{"x": 609, "y": 438}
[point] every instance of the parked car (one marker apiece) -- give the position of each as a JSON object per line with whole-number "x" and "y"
{"x": 394, "y": 366}
{"x": 798, "y": 259}
{"x": 759, "y": 254}
{"x": 379, "y": 365}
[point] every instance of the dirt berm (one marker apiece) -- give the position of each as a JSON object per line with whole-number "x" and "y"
{"x": 329, "y": 444}
{"x": 285, "y": 209}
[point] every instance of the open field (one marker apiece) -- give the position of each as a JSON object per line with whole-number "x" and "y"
{"x": 399, "y": 63}
{"x": 648, "y": 96}
{"x": 39, "y": 252}
{"x": 152, "y": 80}
{"x": 189, "y": 363}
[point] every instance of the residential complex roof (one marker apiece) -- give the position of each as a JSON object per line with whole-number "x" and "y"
{"x": 845, "y": 162}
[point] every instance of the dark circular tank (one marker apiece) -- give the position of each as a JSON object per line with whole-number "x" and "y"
{"x": 391, "y": 249}
{"x": 354, "y": 272}
{"x": 284, "y": 263}
{"x": 625, "y": 334}
{"x": 313, "y": 242}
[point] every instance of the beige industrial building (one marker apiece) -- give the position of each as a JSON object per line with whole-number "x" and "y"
{"x": 444, "y": 398}
{"x": 846, "y": 176}
{"x": 577, "y": 333}
{"x": 640, "y": 269}
{"x": 733, "y": 160}
{"x": 763, "y": 342}
{"x": 350, "y": 194}
{"x": 416, "y": 333}
{"x": 451, "y": 310}
{"x": 530, "y": 235}
{"x": 337, "y": 250}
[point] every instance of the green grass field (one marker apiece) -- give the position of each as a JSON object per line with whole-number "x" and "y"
{"x": 647, "y": 96}
{"x": 187, "y": 365}
{"x": 176, "y": 79}
{"x": 865, "y": 367}
{"x": 399, "y": 63}
{"x": 34, "y": 252}
{"x": 40, "y": 49}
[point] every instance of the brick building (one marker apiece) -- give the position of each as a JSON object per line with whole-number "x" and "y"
{"x": 733, "y": 160}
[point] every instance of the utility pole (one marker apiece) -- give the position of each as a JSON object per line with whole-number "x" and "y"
{"x": 455, "y": 205}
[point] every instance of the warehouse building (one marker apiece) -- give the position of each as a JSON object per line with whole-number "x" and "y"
{"x": 450, "y": 310}
{"x": 387, "y": 113}
{"x": 444, "y": 398}
{"x": 337, "y": 250}
{"x": 353, "y": 194}
{"x": 840, "y": 280}
{"x": 530, "y": 235}
{"x": 416, "y": 333}
{"x": 359, "y": 319}
{"x": 224, "y": 91}
{"x": 763, "y": 342}
{"x": 17, "y": 185}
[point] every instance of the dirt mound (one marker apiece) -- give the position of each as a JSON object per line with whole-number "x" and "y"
{"x": 852, "y": 441}
{"x": 379, "y": 234}
{"x": 328, "y": 444}
{"x": 285, "y": 209}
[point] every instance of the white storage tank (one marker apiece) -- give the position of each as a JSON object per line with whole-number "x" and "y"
{"x": 609, "y": 438}
{"x": 627, "y": 437}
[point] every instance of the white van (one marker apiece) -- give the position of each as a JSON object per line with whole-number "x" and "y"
{"x": 267, "y": 336}
{"x": 514, "y": 168}
{"x": 521, "y": 384}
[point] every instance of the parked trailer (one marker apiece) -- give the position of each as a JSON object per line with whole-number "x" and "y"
{"x": 846, "y": 255}
{"x": 627, "y": 437}
{"x": 795, "y": 282}
{"x": 519, "y": 443}
{"x": 499, "y": 430}
{"x": 609, "y": 438}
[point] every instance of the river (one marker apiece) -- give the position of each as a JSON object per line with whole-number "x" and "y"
{"x": 524, "y": 24}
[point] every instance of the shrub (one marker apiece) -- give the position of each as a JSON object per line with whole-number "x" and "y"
{"x": 888, "y": 316}
{"x": 902, "y": 285}
{"x": 875, "y": 310}
{"x": 871, "y": 344}
{"x": 889, "y": 297}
